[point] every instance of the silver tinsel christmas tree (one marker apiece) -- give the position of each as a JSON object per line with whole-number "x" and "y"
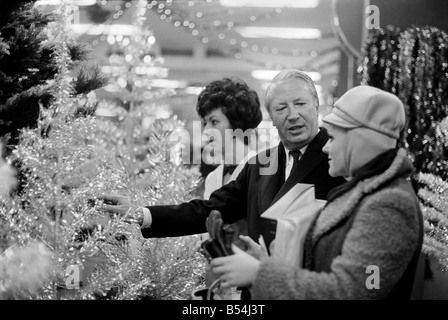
{"x": 68, "y": 161}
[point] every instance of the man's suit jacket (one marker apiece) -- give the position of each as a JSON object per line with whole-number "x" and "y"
{"x": 249, "y": 195}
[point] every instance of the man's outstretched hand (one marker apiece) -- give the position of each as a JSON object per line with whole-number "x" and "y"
{"x": 116, "y": 204}
{"x": 123, "y": 208}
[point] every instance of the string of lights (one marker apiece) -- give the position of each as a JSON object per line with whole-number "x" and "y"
{"x": 210, "y": 28}
{"x": 119, "y": 10}
{"x": 215, "y": 26}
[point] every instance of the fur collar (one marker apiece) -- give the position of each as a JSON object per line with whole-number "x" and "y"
{"x": 343, "y": 206}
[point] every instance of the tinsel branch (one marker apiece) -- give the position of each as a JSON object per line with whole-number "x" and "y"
{"x": 435, "y": 191}
{"x": 434, "y": 248}
{"x": 433, "y": 196}
{"x": 435, "y": 217}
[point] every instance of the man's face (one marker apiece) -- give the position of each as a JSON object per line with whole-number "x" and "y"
{"x": 294, "y": 113}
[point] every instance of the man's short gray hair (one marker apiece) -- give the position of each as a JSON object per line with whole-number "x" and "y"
{"x": 291, "y": 74}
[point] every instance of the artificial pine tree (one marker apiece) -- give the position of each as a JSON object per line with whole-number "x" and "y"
{"x": 413, "y": 65}
{"x": 433, "y": 193}
{"x": 76, "y": 160}
{"x": 28, "y": 68}
{"x": 378, "y": 66}
{"x": 135, "y": 99}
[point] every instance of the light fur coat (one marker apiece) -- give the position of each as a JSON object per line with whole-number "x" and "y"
{"x": 377, "y": 223}
{"x": 213, "y": 181}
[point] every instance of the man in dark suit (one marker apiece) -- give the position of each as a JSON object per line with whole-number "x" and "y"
{"x": 292, "y": 103}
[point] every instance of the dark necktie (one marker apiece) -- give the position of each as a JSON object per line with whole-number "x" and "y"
{"x": 296, "y": 156}
{"x": 292, "y": 178}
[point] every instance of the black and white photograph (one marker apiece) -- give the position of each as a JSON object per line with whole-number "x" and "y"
{"x": 223, "y": 150}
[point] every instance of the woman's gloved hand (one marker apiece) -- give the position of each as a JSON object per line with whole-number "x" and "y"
{"x": 221, "y": 235}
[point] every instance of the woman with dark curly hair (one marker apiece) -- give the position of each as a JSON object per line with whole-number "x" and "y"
{"x": 228, "y": 104}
